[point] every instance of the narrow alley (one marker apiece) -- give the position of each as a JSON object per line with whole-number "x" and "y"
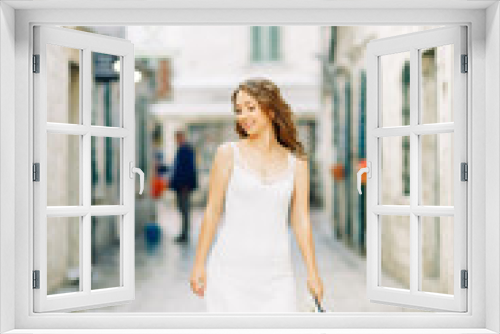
{"x": 163, "y": 270}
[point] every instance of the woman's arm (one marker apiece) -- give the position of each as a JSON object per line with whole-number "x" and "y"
{"x": 301, "y": 225}
{"x": 219, "y": 177}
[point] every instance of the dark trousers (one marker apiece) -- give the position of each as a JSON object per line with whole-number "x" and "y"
{"x": 183, "y": 199}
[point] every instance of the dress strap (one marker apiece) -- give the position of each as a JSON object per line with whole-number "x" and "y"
{"x": 292, "y": 161}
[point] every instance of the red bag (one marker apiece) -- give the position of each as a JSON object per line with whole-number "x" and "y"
{"x": 158, "y": 186}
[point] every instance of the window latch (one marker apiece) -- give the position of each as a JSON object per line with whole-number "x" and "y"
{"x": 133, "y": 170}
{"x": 367, "y": 170}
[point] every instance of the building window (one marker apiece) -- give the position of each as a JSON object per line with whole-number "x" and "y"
{"x": 266, "y": 44}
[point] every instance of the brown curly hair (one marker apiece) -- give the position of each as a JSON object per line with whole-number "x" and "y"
{"x": 269, "y": 98}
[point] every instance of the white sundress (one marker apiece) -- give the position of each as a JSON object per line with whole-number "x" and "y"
{"x": 249, "y": 268}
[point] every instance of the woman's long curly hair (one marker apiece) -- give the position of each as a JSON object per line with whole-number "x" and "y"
{"x": 269, "y": 98}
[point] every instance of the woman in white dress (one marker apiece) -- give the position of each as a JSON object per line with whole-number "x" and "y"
{"x": 254, "y": 182}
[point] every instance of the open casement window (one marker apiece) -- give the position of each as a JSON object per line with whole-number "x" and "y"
{"x": 417, "y": 172}
{"x": 83, "y": 170}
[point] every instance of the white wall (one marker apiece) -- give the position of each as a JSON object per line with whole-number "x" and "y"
{"x": 7, "y": 160}
{"x": 208, "y": 61}
{"x": 491, "y": 164}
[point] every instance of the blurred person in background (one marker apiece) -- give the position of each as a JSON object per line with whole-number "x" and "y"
{"x": 184, "y": 181}
{"x": 256, "y": 179}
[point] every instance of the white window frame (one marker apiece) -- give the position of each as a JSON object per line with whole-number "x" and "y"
{"x": 483, "y": 210}
{"x": 414, "y": 44}
{"x": 124, "y": 211}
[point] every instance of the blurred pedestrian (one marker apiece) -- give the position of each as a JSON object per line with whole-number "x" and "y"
{"x": 256, "y": 180}
{"x": 184, "y": 181}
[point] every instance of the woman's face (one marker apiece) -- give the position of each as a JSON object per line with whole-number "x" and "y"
{"x": 249, "y": 114}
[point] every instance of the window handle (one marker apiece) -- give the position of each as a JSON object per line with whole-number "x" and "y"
{"x": 133, "y": 170}
{"x": 366, "y": 170}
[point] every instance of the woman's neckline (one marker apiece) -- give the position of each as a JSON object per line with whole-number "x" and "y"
{"x": 264, "y": 181}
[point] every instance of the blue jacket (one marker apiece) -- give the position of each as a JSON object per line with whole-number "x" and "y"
{"x": 184, "y": 174}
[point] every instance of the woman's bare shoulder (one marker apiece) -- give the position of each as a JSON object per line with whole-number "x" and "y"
{"x": 301, "y": 172}
{"x": 224, "y": 153}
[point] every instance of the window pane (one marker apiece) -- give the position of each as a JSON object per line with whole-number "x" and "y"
{"x": 106, "y": 170}
{"x": 106, "y": 76}
{"x": 63, "y": 255}
{"x": 395, "y": 170}
{"x": 106, "y": 268}
{"x": 395, "y": 254}
{"x": 437, "y": 254}
{"x": 395, "y": 90}
{"x": 437, "y": 84}
{"x": 63, "y": 169}
{"x": 63, "y": 84}
{"x": 437, "y": 169}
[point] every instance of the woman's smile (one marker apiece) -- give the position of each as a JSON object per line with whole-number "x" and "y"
{"x": 247, "y": 125}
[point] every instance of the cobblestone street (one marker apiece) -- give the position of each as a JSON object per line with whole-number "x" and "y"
{"x": 163, "y": 269}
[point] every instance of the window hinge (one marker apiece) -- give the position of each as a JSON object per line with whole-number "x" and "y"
{"x": 465, "y": 63}
{"x": 465, "y": 172}
{"x": 465, "y": 279}
{"x": 36, "y": 63}
{"x": 36, "y": 171}
{"x": 36, "y": 279}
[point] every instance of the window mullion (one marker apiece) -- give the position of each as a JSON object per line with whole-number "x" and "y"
{"x": 85, "y": 178}
{"x": 415, "y": 176}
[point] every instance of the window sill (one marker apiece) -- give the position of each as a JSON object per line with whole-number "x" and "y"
{"x": 252, "y": 331}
